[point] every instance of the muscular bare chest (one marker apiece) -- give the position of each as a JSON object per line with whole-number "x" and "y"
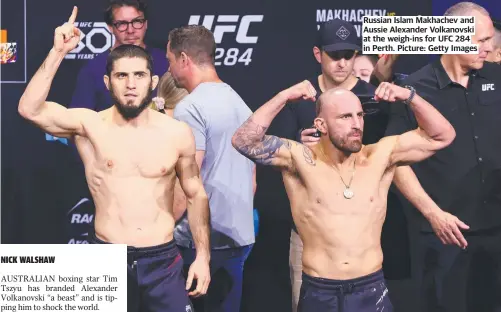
{"x": 133, "y": 153}
{"x": 145, "y": 158}
{"x": 321, "y": 192}
{"x": 355, "y": 194}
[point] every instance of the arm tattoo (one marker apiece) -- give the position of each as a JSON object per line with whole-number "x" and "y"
{"x": 308, "y": 156}
{"x": 287, "y": 144}
{"x": 251, "y": 141}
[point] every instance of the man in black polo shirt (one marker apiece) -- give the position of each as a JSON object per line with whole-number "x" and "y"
{"x": 464, "y": 178}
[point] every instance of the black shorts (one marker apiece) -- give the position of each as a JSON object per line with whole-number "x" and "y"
{"x": 364, "y": 294}
{"x": 155, "y": 279}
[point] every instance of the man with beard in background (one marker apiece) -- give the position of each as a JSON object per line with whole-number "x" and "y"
{"x": 132, "y": 156}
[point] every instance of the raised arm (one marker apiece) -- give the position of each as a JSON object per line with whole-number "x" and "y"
{"x": 250, "y": 139}
{"x": 434, "y": 131}
{"x": 198, "y": 210}
{"x": 383, "y": 71}
{"x": 49, "y": 116}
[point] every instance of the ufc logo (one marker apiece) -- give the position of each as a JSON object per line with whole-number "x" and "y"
{"x": 97, "y": 28}
{"x": 230, "y": 27}
{"x": 488, "y": 87}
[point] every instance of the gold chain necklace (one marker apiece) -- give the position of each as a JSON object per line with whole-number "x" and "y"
{"x": 348, "y": 193}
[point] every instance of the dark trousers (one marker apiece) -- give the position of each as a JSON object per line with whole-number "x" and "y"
{"x": 455, "y": 280}
{"x": 225, "y": 289}
{"x": 364, "y": 294}
{"x": 155, "y": 279}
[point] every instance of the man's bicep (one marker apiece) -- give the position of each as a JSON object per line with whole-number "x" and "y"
{"x": 199, "y": 157}
{"x": 187, "y": 168}
{"x": 189, "y": 175}
{"x": 412, "y": 147}
{"x": 60, "y": 121}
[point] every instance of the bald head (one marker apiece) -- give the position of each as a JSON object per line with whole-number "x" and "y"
{"x": 466, "y": 9}
{"x": 484, "y": 31}
{"x": 340, "y": 119}
{"x": 338, "y": 99}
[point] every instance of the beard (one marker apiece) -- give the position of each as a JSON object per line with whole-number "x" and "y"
{"x": 128, "y": 110}
{"x": 348, "y": 147}
{"x": 177, "y": 82}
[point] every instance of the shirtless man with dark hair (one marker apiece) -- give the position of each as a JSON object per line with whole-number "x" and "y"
{"x": 132, "y": 156}
{"x": 338, "y": 189}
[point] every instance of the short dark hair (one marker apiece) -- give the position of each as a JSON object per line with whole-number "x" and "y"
{"x": 196, "y": 41}
{"x": 128, "y": 50}
{"x": 319, "y": 104}
{"x": 140, "y": 5}
{"x": 497, "y": 24}
{"x": 372, "y": 58}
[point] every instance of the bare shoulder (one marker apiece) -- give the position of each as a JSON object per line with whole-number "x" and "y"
{"x": 166, "y": 123}
{"x": 175, "y": 127}
{"x": 383, "y": 147}
{"x": 182, "y": 129}
{"x": 301, "y": 153}
{"x": 88, "y": 118}
{"x": 85, "y": 113}
{"x": 381, "y": 151}
{"x": 173, "y": 130}
{"x": 104, "y": 114}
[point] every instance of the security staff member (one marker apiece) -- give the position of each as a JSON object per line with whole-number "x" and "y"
{"x": 464, "y": 178}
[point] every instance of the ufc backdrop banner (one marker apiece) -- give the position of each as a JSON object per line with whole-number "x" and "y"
{"x": 262, "y": 48}
{"x": 12, "y": 45}
{"x": 96, "y": 38}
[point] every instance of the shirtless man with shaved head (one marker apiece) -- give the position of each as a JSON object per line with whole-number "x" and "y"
{"x": 338, "y": 189}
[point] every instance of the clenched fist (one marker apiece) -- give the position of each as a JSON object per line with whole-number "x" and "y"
{"x": 67, "y": 36}
{"x": 303, "y": 90}
{"x": 391, "y": 93}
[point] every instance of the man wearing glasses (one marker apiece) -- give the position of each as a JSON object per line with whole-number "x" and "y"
{"x": 128, "y": 21}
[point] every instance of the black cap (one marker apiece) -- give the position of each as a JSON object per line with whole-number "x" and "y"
{"x": 336, "y": 35}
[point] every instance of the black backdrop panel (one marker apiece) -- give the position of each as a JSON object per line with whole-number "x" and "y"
{"x": 263, "y": 47}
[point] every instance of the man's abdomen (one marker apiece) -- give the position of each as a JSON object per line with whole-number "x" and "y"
{"x": 343, "y": 261}
{"x": 139, "y": 220}
{"x": 134, "y": 210}
{"x": 140, "y": 234}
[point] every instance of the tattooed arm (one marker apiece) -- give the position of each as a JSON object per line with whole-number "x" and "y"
{"x": 250, "y": 139}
